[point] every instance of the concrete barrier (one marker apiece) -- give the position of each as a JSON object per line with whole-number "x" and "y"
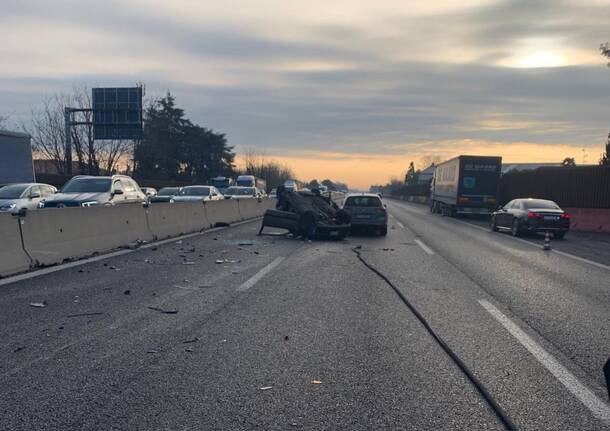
{"x": 172, "y": 219}
{"x": 252, "y": 208}
{"x": 12, "y": 257}
{"x": 54, "y": 235}
{"x": 224, "y": 211}
{"x": 589, "y": 219}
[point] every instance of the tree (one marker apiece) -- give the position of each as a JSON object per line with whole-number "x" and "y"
{"x": 257, "y": 164}
{"x": 174, "y": 148}
{"x": 568, "y": 162}
{"x": 604, "y": 50}
{"x": 605, "y": 158}
{"x": 47, "y": 128}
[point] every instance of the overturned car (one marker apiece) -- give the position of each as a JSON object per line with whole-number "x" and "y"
{"x": 307, "y": 214}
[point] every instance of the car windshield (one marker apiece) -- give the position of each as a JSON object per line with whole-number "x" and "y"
{"x": 168, "y": 191}
{"x": 234, "y": 191}
{"x": 540, "y": 204}
{"x": 195, "y": 191}
{"x": 363, "y": 201}
{"x": 87, "y": 185}
{"x": 13, "y": 191}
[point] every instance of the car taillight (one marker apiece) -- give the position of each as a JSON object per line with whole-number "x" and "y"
{"x": 533, "y": 215}
{"x": 565, "y": 216}
{"x": 381, "y": 210}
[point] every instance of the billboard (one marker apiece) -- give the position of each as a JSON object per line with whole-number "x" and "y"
{"x": 117, "y": 113}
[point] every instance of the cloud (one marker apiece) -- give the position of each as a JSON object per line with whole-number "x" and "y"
{"x": 385, "y": 79}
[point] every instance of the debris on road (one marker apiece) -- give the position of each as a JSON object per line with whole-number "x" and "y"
{"x": 94, "y": 313}
{"x": 42, "y": 304}
{"x": 316, "y": 382}
{"x": 286, "y": 338}
{"x": 18, "y": 349}
{"x": 147, "y": 260}
{"x": 127, "y": 292}
{"x": 114, "y": 268}
{"x": 191, "y": 340}
{"x": 241, "y": 242}
{"x": 188, "y": 262}
{"x": 189, "y": 349}
{"x": 220, "y": 261}
{"x": 152, "y": 351}
{"x": 266, "y": 388}
{"x": 161, "y": 310}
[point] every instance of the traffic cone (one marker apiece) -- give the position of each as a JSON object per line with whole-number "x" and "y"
{"x": 547, "y": 241}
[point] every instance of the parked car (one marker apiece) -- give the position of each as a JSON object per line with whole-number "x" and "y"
{"x": 149, "y": 191}
{"x": 197, "y": 193}
{"x": 242, "y": 193}
{"x": 87, "y": 191}
{"x": 165, "y": 194}
{"x": 531, "y": 216}
{"x": 367, "y": 212}
{"x": 20, "y": 196}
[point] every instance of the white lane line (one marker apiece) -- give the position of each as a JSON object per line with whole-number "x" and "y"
{"x": 62, "y": 266}
{"x": 599, "y": 408}
{"x": 259, "y": 275}
{"x": 400, "y": 224}
{"x": 521, "y": 240}
{"x": 424, "y": 246}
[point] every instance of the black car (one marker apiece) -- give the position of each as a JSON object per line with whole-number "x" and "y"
{"x": 88, "y": 191}
{"x": 165, "y": 194}
{"x": 531, "y": 216}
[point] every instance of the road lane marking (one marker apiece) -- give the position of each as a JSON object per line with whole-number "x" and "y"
{"x": 259, "y": 275}
{"x": 521, "y": 240}
{"x": 599, "y": 408}
{"x": 62, "y": 266}
{"x": 424, "y": 246}
{"x": 400, "y": 224}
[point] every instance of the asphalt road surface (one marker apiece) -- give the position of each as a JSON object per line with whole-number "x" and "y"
{"x": 227, "y": 330}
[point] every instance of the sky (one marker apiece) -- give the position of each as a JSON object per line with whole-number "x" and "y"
{"x": 351, "y": 90}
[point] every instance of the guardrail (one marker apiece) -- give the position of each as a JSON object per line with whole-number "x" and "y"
{"x": 51, "y": 236}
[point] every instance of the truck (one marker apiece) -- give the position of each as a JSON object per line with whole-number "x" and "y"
{"x": 466, "y": 185}
{"x": 251, "y": 181}
{"x": 16, "y": 165}
{"x": 221, "y": 183}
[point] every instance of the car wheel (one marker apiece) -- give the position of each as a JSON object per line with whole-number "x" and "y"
{"x": 494, "y": 227}
{"x": 383, "y": 231}
{"x": 515, "y": 230}
{"x": 559, "y": 235}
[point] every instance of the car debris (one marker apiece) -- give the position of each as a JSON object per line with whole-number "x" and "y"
{"x": 162, "y": 310}
{"x": 93, "y": 313}
{"x": 127, "y": 292}
{"x": 316, "y": 382}
{"x": 308, "y": 215}
{"x": 191, "y": 340}
{"x": 38, "y": 304}
{"x": 266, "y": 388}
{"x": 18, "y": 349}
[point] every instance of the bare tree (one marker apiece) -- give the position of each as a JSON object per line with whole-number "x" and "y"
{"x": 47, "y": 128}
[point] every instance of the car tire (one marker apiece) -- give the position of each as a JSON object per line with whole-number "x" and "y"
{"x": 383, "y": 231}
{"x": 559, "y": 235}
{"x": 494, "y": 227}
{"x": 515, "y": 229}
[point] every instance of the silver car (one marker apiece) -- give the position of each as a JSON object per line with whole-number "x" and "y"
{"x": 20, "y": 196}
{"x": 367, "y": 212}
{"x": 197, "y": 193}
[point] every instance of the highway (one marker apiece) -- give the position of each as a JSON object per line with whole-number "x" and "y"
{"x": 229, "y": 330}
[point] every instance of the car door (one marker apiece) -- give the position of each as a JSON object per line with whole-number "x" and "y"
{"x": 504, "y": 217}
{"x": 31, "y": 197}
{"x": 118, "y": 198}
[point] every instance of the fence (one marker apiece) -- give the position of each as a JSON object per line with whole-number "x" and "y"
{"x": 577, "y": 187}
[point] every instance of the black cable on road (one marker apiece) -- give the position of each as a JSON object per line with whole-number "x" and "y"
{"x": 500, "y": 413}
